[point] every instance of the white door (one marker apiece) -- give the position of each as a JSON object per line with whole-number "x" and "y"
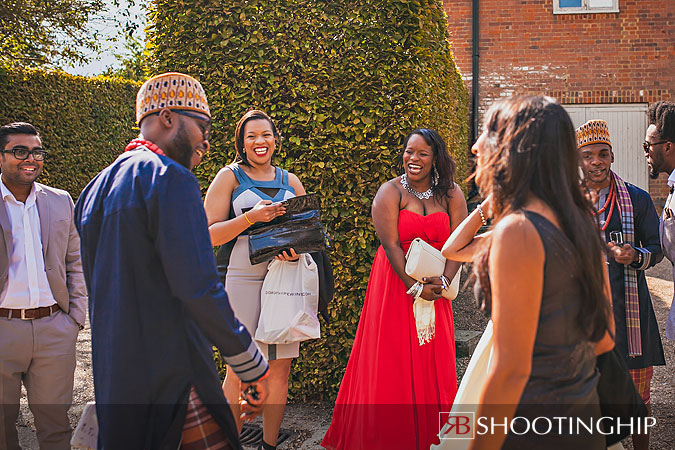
{"x": 627, "y": 127}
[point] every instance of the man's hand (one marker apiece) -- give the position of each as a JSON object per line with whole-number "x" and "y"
{"x": 623, "y": 254}
{"x": 251, "y": 407}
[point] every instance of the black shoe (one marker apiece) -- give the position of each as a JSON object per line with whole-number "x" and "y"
{"x": 265, "y": 446}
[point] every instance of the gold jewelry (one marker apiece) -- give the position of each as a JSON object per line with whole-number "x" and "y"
{"x": 247, "y": 219}
{"x": 482, "y": 216}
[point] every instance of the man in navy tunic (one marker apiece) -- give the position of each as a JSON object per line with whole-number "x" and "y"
{"x": 156, "y": 303}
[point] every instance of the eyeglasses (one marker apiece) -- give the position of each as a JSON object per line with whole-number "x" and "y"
{"x": 22, "y": 153}
{"x": 207, "y": 129}
{"x": 646, "y": 146}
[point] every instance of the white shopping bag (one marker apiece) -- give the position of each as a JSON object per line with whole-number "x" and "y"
{"x": 85, "y": 435}
{"x": 289, "y": 302}
{"x": 470, "y": 389}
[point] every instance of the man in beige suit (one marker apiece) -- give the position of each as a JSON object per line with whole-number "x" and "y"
{"x": 42, "y": 292}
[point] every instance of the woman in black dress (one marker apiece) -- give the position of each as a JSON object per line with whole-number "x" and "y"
{"x": 542, "y": 277}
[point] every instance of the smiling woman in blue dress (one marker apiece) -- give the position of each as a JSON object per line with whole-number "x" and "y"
{"x": 245, "y": 192}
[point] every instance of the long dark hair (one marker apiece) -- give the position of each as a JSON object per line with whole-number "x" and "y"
{"x": 531, "y": 148}
{"x": 445, "y": 165}
{"x": 254, "y": 114}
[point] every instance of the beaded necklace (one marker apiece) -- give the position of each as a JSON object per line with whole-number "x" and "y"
{"x": 611, "y": 197}
{"x": 421, "y": 195}
{"x": 134, "y": 144}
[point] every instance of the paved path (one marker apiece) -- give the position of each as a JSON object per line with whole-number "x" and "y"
{"x": 310, "y": 421}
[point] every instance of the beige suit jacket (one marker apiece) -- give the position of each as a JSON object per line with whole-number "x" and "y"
{"x": 60, "y": 248}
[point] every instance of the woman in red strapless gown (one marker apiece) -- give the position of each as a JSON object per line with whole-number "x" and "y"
{"x": 394, "y": 388}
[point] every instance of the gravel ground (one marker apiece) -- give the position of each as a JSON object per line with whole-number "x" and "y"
{"x": 309, "y": 421}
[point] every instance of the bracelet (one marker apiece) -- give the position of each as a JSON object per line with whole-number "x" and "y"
{"x": 482, "y": 216}
{"x": 416, "y": 289}
{"x": 412, "y": 288}
{"x": 445, "y": 281}
{"x": 247, "y": 219}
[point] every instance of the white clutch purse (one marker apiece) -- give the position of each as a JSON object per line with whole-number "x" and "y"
{"x": 424, "y": 261}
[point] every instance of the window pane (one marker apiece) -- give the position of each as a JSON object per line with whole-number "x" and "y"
{"x": 571, "y": 3}
{"x": 600, "y": 3}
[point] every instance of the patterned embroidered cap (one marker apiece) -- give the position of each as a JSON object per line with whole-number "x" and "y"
{"x": 171, "y": 90}
{"x": 593, "y": 132}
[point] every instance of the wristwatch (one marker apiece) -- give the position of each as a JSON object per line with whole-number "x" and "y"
{"x": 641, "y": 258}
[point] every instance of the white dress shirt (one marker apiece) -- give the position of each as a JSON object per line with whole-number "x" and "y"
{"x": 671, "y": 179}
{"x": 666, "y": 244}
{"x": 27, "y": 285}
{"x": 669, "y": 199}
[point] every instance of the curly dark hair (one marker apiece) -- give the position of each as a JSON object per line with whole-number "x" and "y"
{"x": 254, "y": 114}
{"x": 662, "y": 115}
{"x": 531, "y": 148}
{"x": 445, "y": 165}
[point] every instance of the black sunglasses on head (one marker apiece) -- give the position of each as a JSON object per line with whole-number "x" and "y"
{"x": 20, "y": 152}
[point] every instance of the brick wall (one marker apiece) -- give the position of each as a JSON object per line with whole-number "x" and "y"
{"x": 625, "y": 57}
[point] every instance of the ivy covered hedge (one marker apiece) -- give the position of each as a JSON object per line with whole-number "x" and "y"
{"x": 84, "y": 122}
{"x": 345, "y": 81}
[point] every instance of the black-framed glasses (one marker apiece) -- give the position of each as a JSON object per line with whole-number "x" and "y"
{"x": 646, "y": 146}
{"x": 22, "y": 153}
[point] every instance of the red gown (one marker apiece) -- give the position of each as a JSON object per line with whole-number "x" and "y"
{"x": 393, "y": 388}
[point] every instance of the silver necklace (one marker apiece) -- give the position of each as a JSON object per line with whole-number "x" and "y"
{"x": 421, "y": 195}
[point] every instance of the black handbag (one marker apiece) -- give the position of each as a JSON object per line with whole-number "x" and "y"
{"x": 299, "y": 228}
{"x": 618, "y": 396}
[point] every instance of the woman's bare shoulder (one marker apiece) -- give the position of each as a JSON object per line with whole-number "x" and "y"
{"x": 226, "y": 175}
{"x": 455, "y": 196}
{"x": 388, "y": 193}
{"x": 515, "y": 229}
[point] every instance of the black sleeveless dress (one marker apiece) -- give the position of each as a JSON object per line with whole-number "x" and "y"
{"x": 560, "y": 399}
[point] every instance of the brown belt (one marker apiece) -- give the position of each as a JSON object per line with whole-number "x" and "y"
{"x": 29, "y": 314}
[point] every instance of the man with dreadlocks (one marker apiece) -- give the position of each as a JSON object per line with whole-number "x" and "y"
{"x": 659, "y": 147}
{"x": 630, "y": 226}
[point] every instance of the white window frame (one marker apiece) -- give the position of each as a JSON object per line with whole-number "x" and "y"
{"x": 585, "y": 9}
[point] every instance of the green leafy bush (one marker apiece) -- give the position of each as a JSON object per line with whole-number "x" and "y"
{"x": 85, "y": 123}
{"x": 345, "y": 81}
